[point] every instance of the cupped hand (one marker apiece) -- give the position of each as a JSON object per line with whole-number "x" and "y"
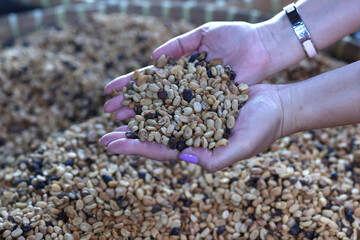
{"x": 259, "y": 123}
{"x": 239, "y": 44}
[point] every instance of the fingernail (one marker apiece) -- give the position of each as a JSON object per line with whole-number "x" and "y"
{"x": 189, "y": 158}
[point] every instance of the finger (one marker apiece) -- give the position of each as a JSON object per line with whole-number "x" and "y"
{"x": 180, "y": 45}
{"x": 124, "y": 113}
{"x": 218, "y": 158}
{"x": 122, "y": 129}
{"x": 120, "y": 82}
{"x": 151, "y": 150}
{"x": 113, "y": 104}
{"x": 110, "y": 137}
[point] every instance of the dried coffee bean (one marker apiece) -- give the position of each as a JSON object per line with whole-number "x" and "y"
{"x": 162, "y": 94}
{"x": 227, "y": 133}
{"x": 194, "y": 57}
{"x": 187, "y": 95}
{"x": 181, "y": 145}
{"x": 172, "y": 143}
{"x": 150, "y": 115}
{"x": 131, "y": 135}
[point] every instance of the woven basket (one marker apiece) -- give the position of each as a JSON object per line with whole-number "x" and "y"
{"x": 15, "y": 25}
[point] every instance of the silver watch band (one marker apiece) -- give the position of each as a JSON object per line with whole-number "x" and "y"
{"x": 300, "y": 30}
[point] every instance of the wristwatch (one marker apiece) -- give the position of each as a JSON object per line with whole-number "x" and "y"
{"x": 300, "y": 30}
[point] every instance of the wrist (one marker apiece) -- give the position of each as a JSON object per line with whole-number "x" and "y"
{"x": 280, "y": 43}
{"x": 291, "y": 112}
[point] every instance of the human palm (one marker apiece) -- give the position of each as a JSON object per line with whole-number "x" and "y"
{"x": 258, "y": 125}
{"x": 238, "y": 44}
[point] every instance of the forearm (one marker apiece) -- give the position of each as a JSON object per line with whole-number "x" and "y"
{"x": 328, "y": 100}
{"x": 326, "y": 20}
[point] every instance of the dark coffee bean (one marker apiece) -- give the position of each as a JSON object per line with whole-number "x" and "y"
{"x": 26, "y": 228}
{"x": 349, "y": 232}
{"x": 8, "y": 43}
{"x": 295, "y": 230}
{"x": 310, "y": 234}
{"x": 334, "y": 175}
{"x": 49, "y": 224}
{"x": 349, "y": 215}
{"x": 119, "y": 200}
{"x": 40, "y": 185}
{"x": 53, "y": 178}
{"x": 142, "y": 174}
{"x": 33, "y": 166}
{"x": 10, "y": 218}
{"x": 252, "y": 216}
{"x": 200, "y": 63}
{"x": 181, "y": 145}
{"x": 188, "y": 95}
{"x": 39, "y": 172}
{"x": 233, "y": 179}
{"x": 69, "y": 162}
{"x": 3, "y": 165}
{"x": 150, "y": 115}
{"x": 232, "y": 75}
{"x": 62, "y": 195}
{"x": 138, "y": 110}
{"x": 162, "y": 94}
{"x": 227, "y": 133}
{"x": 330, "y": 149}
{"x": 220, "y": 230}
{"x": 2, "y": 141}
{"x": 131, "y": 135}
{"x": 209, "y": 74}
{"x": 276, "y": 212}
{"x": 62, "y": 216}
{"x": 171, "y": 61}
{"x": 172, "y": 143}
{"x": 155, "y": 209}
{"x": 18, "y": 181}
{"x": 181, "y": 181}
{"x": 106, "y": 178}
{"x": 121, "y": 56}
{"x": 327, "y": 206}
{"x": 349, "y": 167}
{"x": 15, "y": 226}
{"x": 293, "y": 179}
{"x": 175, "y": 231}
{"x": 194, "y": 57}
{"x": 140, "y": 38}
{"x": 252, "y": 181}
{"x": 109, "y": 65}
{"x": 319, "y": 147}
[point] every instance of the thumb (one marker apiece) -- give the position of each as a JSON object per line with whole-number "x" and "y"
{"x": 180, "y": 45}
{"x": 218, "y": 158}
{"x": 210, "y": 160}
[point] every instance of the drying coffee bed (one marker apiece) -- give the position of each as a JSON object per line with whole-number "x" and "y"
{"x": 306, "y": 186}
{"x": 53, "y": 78}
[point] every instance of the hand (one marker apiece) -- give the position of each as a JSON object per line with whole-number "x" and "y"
{"x": 239, "y": 44}
{"x": 259, "y": 124}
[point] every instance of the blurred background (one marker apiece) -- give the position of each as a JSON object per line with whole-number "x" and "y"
{"x": 255, "y": 10}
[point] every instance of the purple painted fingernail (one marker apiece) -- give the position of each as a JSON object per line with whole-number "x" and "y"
{"x": 189, "y": 158}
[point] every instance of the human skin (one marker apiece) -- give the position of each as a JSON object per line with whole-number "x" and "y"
{"x": 255, "y": 52}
